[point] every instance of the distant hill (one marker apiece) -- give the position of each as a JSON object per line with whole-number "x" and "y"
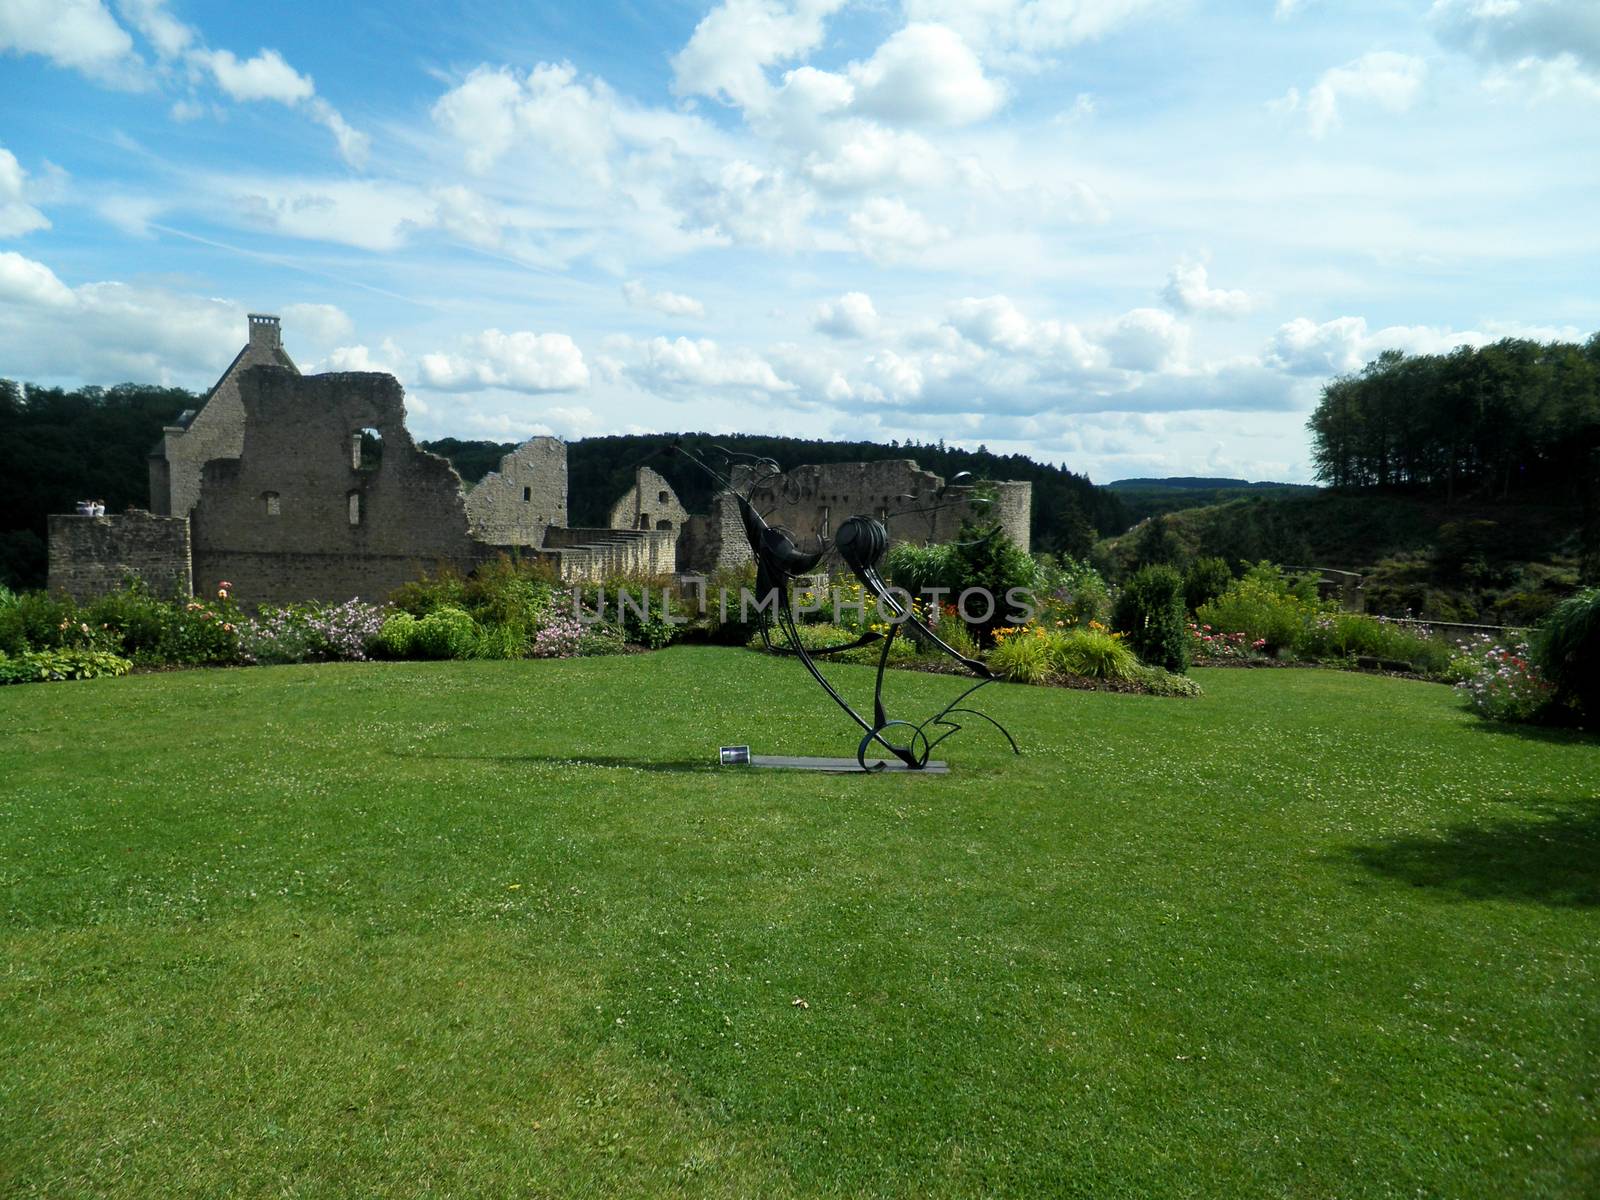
{"x": 1202, "y": 482}
{"x": 1150, "y": 497}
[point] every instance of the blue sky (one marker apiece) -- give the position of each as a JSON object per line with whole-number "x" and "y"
{"x": 1133, "y": 236}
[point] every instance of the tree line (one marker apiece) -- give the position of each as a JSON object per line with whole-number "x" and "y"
{"x": 1517, "y": 417}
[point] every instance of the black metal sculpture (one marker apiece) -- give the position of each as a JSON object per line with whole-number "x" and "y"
{"x": 861, "y": 542}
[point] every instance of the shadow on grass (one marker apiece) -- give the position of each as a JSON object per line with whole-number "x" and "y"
{"x": 1555, "y": 735}
{"x": 676, "y": 767}
{"x": 1553, "y": 858}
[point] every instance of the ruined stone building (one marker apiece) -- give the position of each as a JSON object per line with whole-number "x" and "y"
{"x": 310, "y": 487}
{"x": 811, "y": 501}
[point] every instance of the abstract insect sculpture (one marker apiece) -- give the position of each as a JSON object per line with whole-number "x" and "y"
{"x": 861, "y": 542}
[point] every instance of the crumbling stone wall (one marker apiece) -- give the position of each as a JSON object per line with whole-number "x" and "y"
{"x": 216, "y": 430}
{"x": 649, "y": 504}
{"x": 514, "y": 505}
{"x": 812, "y": 500}
{"x": 294, "y": 517}
{"x": 90, "y": 556}
{"x": 714, "y": 541}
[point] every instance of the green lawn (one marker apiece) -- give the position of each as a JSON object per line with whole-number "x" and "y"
{"x": 492, "y": 928}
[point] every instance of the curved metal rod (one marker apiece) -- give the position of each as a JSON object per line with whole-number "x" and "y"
{"x": 880, "y": 591}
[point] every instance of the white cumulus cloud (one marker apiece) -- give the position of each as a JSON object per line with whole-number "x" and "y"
{"x": 673, "y": 304}
{"x": 519, "y": 362}
{"x": 733, "y": 45}
{"x": 17, "y": 216}
{"x": 1188, "y": 292}
{"x": 887, "y": 230}
{"x": 850, "y": 316}
{"x": 78, "y": 34}
{"x": 925, "y": 75}
{"x": 1383, "y": 78}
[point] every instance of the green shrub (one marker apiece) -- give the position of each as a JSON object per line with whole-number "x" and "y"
{"x": 422, "y": 596}
{"x": 36, "y": 621}
{"x": 1022, "y": 657}
{"x": 1341, "y": 636}
{"x": 1567, "y": 650}
{"x": 954, "y": 633}
{"x": 1150, "y": 613}
{"x": 1093, "y": 654}
{"x": 1157, "y": 682}
{"x": 398, "y": 637}
{"x": 1265, "y": 606}
{"x": 139, "y": 620}
{"x": 502, "y": 641}
{"x": 1070, "y": 591}
{"x": 601, "y": 638}
{"x": 446, "y": 632}
{"x": 43, "y": 666}
{"x": 923, "y": 568}
{"x": 1204, "y": 581}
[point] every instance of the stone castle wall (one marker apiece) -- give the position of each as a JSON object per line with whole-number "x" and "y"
{"x": 294, "y": 517}
{"x": 516, "y": 504}
{"x": 217, "y": 430}
{"x": 714, "y": 541}
{"x": 90, "y": 556}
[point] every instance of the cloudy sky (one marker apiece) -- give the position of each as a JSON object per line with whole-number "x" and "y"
{"x": 1134, "y": 236}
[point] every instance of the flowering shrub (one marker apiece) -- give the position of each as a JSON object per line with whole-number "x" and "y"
{"x": 1022, "y": 655}
{"x": 304, "y": 632}
{"x": 1210, "y": 645}
{"x": 561, "y": 636}
{"x": 1507, "y": 686}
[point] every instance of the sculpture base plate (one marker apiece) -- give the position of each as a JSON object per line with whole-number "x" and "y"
{"x": 845, "y": 766}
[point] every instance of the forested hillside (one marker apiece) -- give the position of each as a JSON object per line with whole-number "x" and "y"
{"x": 57, "y": 447}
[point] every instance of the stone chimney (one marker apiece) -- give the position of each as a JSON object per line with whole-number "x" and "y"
{"x": 264, "y": 332}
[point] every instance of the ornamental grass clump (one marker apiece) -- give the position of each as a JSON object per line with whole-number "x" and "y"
{"x": 1021, "y": 655}
{"x": 1092, "y": 653}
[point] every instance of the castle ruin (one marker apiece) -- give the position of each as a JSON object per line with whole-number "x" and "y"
{"x": 309, "y": 487}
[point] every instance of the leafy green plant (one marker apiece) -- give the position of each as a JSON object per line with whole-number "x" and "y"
{"x": 447, "y": 632}
{"x": 1567, "y": 649}
{"x": 1150, "y": 613}
{"x": 1070, "y": 591}
{"x": 36, "y": 621}
{"x": 398, "y": 636}
{"x": 44, "y": 666}
{"x": 1156, "y": 682}
{"x": 1092, "y": 653}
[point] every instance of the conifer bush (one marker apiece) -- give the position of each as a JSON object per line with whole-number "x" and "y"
{"x": 1149, "y": 613}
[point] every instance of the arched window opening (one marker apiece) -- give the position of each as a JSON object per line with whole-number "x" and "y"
{"x": 270, "y": 500}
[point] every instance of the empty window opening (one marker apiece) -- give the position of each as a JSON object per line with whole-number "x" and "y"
{"x": 644, "y": 520}
{"x": 663, "y": 524}
{"x": 355, "y": 508}
{"x": 527, "y": 494}
{"x": 271, "y": 501}
{"x": 662, "y": 497}
{"x": 366, "y": 449}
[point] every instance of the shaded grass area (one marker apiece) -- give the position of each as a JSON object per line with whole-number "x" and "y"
{"x": 491, "y": 928}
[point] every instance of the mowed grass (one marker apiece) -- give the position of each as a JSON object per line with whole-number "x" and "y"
{"x": 496, "y": 929}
